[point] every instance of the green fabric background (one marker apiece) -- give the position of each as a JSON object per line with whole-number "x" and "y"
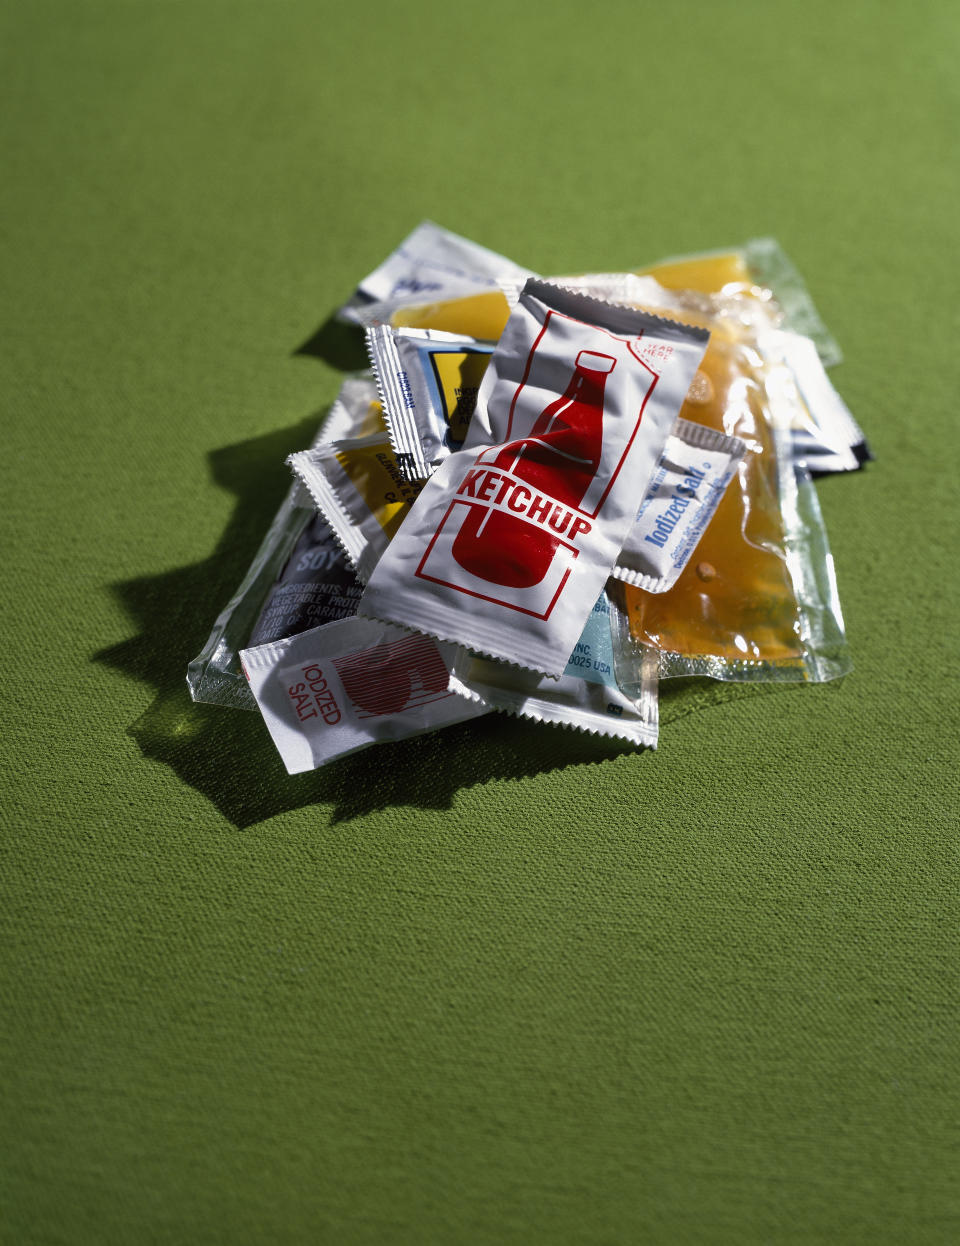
{"x": 502, "y": 984}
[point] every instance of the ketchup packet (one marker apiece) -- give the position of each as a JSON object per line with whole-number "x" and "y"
{"x": 586, "y": 696}
{"x": 432, "y": 264}
{"x": 342, "y": 687}
{"x": 509, "y": 544}
{"x": 428, "y": 383}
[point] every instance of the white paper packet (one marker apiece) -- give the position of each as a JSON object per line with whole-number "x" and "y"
{"x": 694, "y": 471}
{"x": 586, "y": 696}
{"x": 359, "y": 489}
{"x": 428, "y": 383}
{"x": 349, "y": 684}
{"x": 430, "y": 264}
{"x": 509, "y": 544}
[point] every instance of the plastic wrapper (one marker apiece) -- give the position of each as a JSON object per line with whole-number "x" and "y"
{"x": 428, "y": 383}
{"x": 758, "y": 600}
{"x": 759, "y": 270}
{"x": 298, "y": 577}
{"x": 339, "y": 688}
{"x": 431, "y": 265}
{"x": 510, "y": 542}
{"x": 586, "y": 696}
{"x": 825, "y": 435}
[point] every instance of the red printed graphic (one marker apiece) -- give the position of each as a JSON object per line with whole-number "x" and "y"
{"x": 562, "y": 452}
{"x": 390, "y": 678}
{"x": 510, "y": 535}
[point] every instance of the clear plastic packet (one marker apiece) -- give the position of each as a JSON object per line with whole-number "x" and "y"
{"x": 758, "y": 601}
{"x": 428, "y": 383}
{"x": 694, "y": 472}
{"x": 510, "y": 542}
{"x": 430, "y": 264}
{"x": 339, "y": 688}
{"x": 586, "y": 696}
{"x": 360, "y": 490}
{"x": 824, "y": 433}
{"x": 759, "y": 270}
{"x": 297, "y": 579}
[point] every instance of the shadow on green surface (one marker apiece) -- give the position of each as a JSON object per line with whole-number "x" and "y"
{"x": 340, "y": 345}
{"x": 227, "y": 755}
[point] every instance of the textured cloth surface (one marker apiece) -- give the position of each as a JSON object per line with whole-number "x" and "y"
{"x": 503, "y": 984}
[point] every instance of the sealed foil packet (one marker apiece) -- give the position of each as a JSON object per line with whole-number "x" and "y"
{"x": 339, "y": 688}
{"x": 428, "y": 383}
{"x": 509, "y": 544}
{"x": 694, "y": 472}
{"x": 359, "y": 489}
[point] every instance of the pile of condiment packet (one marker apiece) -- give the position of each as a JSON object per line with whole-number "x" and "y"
{"x": 543, "y": 498}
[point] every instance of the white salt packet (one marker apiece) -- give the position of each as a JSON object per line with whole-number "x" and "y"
{"x": 339, "y": 688}
{"x": 586, "y": 696}
{"x": 430, "y": 264}
{"x": 694, "y": 471}
{"x": 508, "y": 546}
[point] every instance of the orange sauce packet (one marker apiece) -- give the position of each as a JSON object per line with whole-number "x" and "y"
{"x": 735, "y": 598}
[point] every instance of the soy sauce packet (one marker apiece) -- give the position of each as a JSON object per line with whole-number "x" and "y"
{"x": 359, "y": 489}
{"x": 339, "y": 688}
{"x": 509, "y": 544}
{"x": 298, "y": 578}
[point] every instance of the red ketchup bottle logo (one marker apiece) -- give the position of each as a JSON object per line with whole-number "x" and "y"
{"x": 559, "y": 459}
